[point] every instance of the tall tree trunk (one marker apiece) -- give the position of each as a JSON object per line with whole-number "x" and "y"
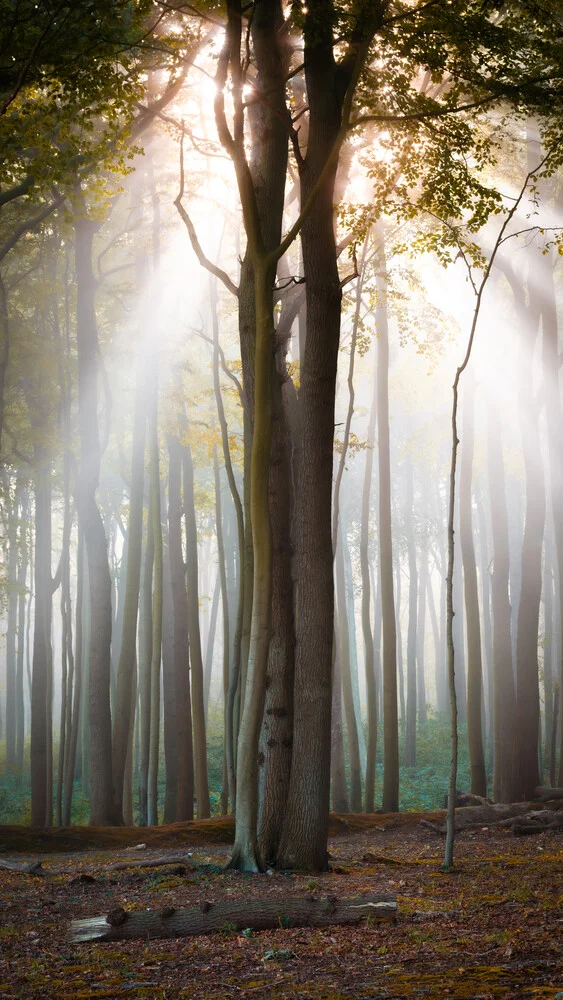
{"x": 526, "y": 772}
{"x": 41, "y": 685}
{"x": 210, "y": 645}
{"x": 543, "y": 275}
{"x": 22, "y": 603}
{"x": 156, "y": 648}
{"x": 185, "y": 799}
{"x": 339, "y": 791}
{"x": 192, "y": 580}
{"x": 504, "y": 699}
{"x": 410, "y": 744}
{"x": 226, "y": 793}
{"x": 11, "y": 626}
{"x": 244, "y": 597}
{"x": 128, "y": 652}
{"x": 343, "y": 637}
{"x": 70, "y": 764}
{"x": 169, "y": 691}
{"x": 474, "y": 665}
{"x": 276, "y": 738}
{"x": 101, "y": 787}
{"x": 390, "y": 723}
{"x": 145, "y": 664}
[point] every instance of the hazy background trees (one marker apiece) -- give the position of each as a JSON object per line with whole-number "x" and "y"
{"x": 129, "y": 402}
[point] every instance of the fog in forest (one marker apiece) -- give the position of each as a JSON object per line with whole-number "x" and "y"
{"x": 127, "y": 474}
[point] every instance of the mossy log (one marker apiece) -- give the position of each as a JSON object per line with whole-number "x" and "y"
{"x": 232, "y": 915}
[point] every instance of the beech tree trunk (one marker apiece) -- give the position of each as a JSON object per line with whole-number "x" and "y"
{"x": 192, "y": 582}
{"x": 504, "y": 699}
{"x": 390, "y": 721}
{"x": 410, "y": 745}
{"x": 99, "y": 667}
{"x": 474, "y": 665}
{"x": 185, "y": 794}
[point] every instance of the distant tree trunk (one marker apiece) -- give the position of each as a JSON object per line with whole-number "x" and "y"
{"x": 77, "y": 692}
{"x": 101, "y": 786}
{"x": 192, "y": 580}
{"x": 348, "y": 698}
{"x": 459, "y": 630}
{"x": 554, "y": 414}
{"x": 339, "y": 791}
{"x": 41, "y": 685}
{"x": 155, "y": 527}
{"x": 474, "y": 665}
{"x": 410, "y": 743}
{"x": 210, "y": 644}
{"x": 548, "y": 658}
{"x": 11, "y": 625}
{"x": 185, "y": 799}
{"x": 390, "y": 721}
{"x": 128, "y": 652}
{"x": 22, "y": 603}
{"x": 421, "y": 619}
{"x": 504, "y": 699}
{"x": 526, "y": 772}
{"x": 222, "y": 577}
{"x": 351, "y": 605}
{"x": 487, "y": 643}
{"x": 145, "y": 662}
{"x": 67, "y": 657}
{"x": 169, "y": 691}
{"x": 398, "y": 614}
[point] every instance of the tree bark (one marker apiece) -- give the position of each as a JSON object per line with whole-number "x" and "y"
{"x": 474, "y": 664}
{"x": 504, "y": 699}
{"x": 390, "y": 722}
{"x": 185, "y": 794}
{"x": 192, "y": 582}
{"x": 101, "y": 787}
{"x": 410, "y": 745}
{"x": 260, "y": 914}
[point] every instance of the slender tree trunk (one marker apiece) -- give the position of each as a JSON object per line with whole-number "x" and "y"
{"x": 156, "y": 648}
{"x": 41, "y": 684}
{"x": 169, "y": 691}
{"x": 343, "y": 637}
{"x": 474, "y": 665}
{"x": 226, "y": 791}
{"x": 526, "y": 772}
{"x": 145, "y": 663}
{"x": 339, "y": 791}
{"x": 554, "y": 414}
{"x": 210, "y": 644}
{"x": 504, "y": 699}
{"x": 128, "y": 652}
{"x": 11, "y": 625}
{"x": 192, "y": 579}
{"x": 77, "y": 691}
{"x": 22, "y": 603}
{"x": 185, "y": 799}
{"x": 390, "y": 723}
{"x": 410, "y": 745}
{"x": 101, "y": 788}
{"x": 244, "y": 598}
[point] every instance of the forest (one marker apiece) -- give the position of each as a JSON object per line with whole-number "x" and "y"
{"x": 281, "y": 435}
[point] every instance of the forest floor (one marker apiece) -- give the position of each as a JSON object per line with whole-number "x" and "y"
{"x": 492, "y": 929}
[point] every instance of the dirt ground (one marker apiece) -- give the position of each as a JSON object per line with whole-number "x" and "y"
{"x": 492, "y": 929}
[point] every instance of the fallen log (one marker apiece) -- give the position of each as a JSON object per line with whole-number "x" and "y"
{"x": 544, "y": 793}
{"x": 150, "y": 863}
{"x": 233, "y": 915}
{"x": 32, "y": 868}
